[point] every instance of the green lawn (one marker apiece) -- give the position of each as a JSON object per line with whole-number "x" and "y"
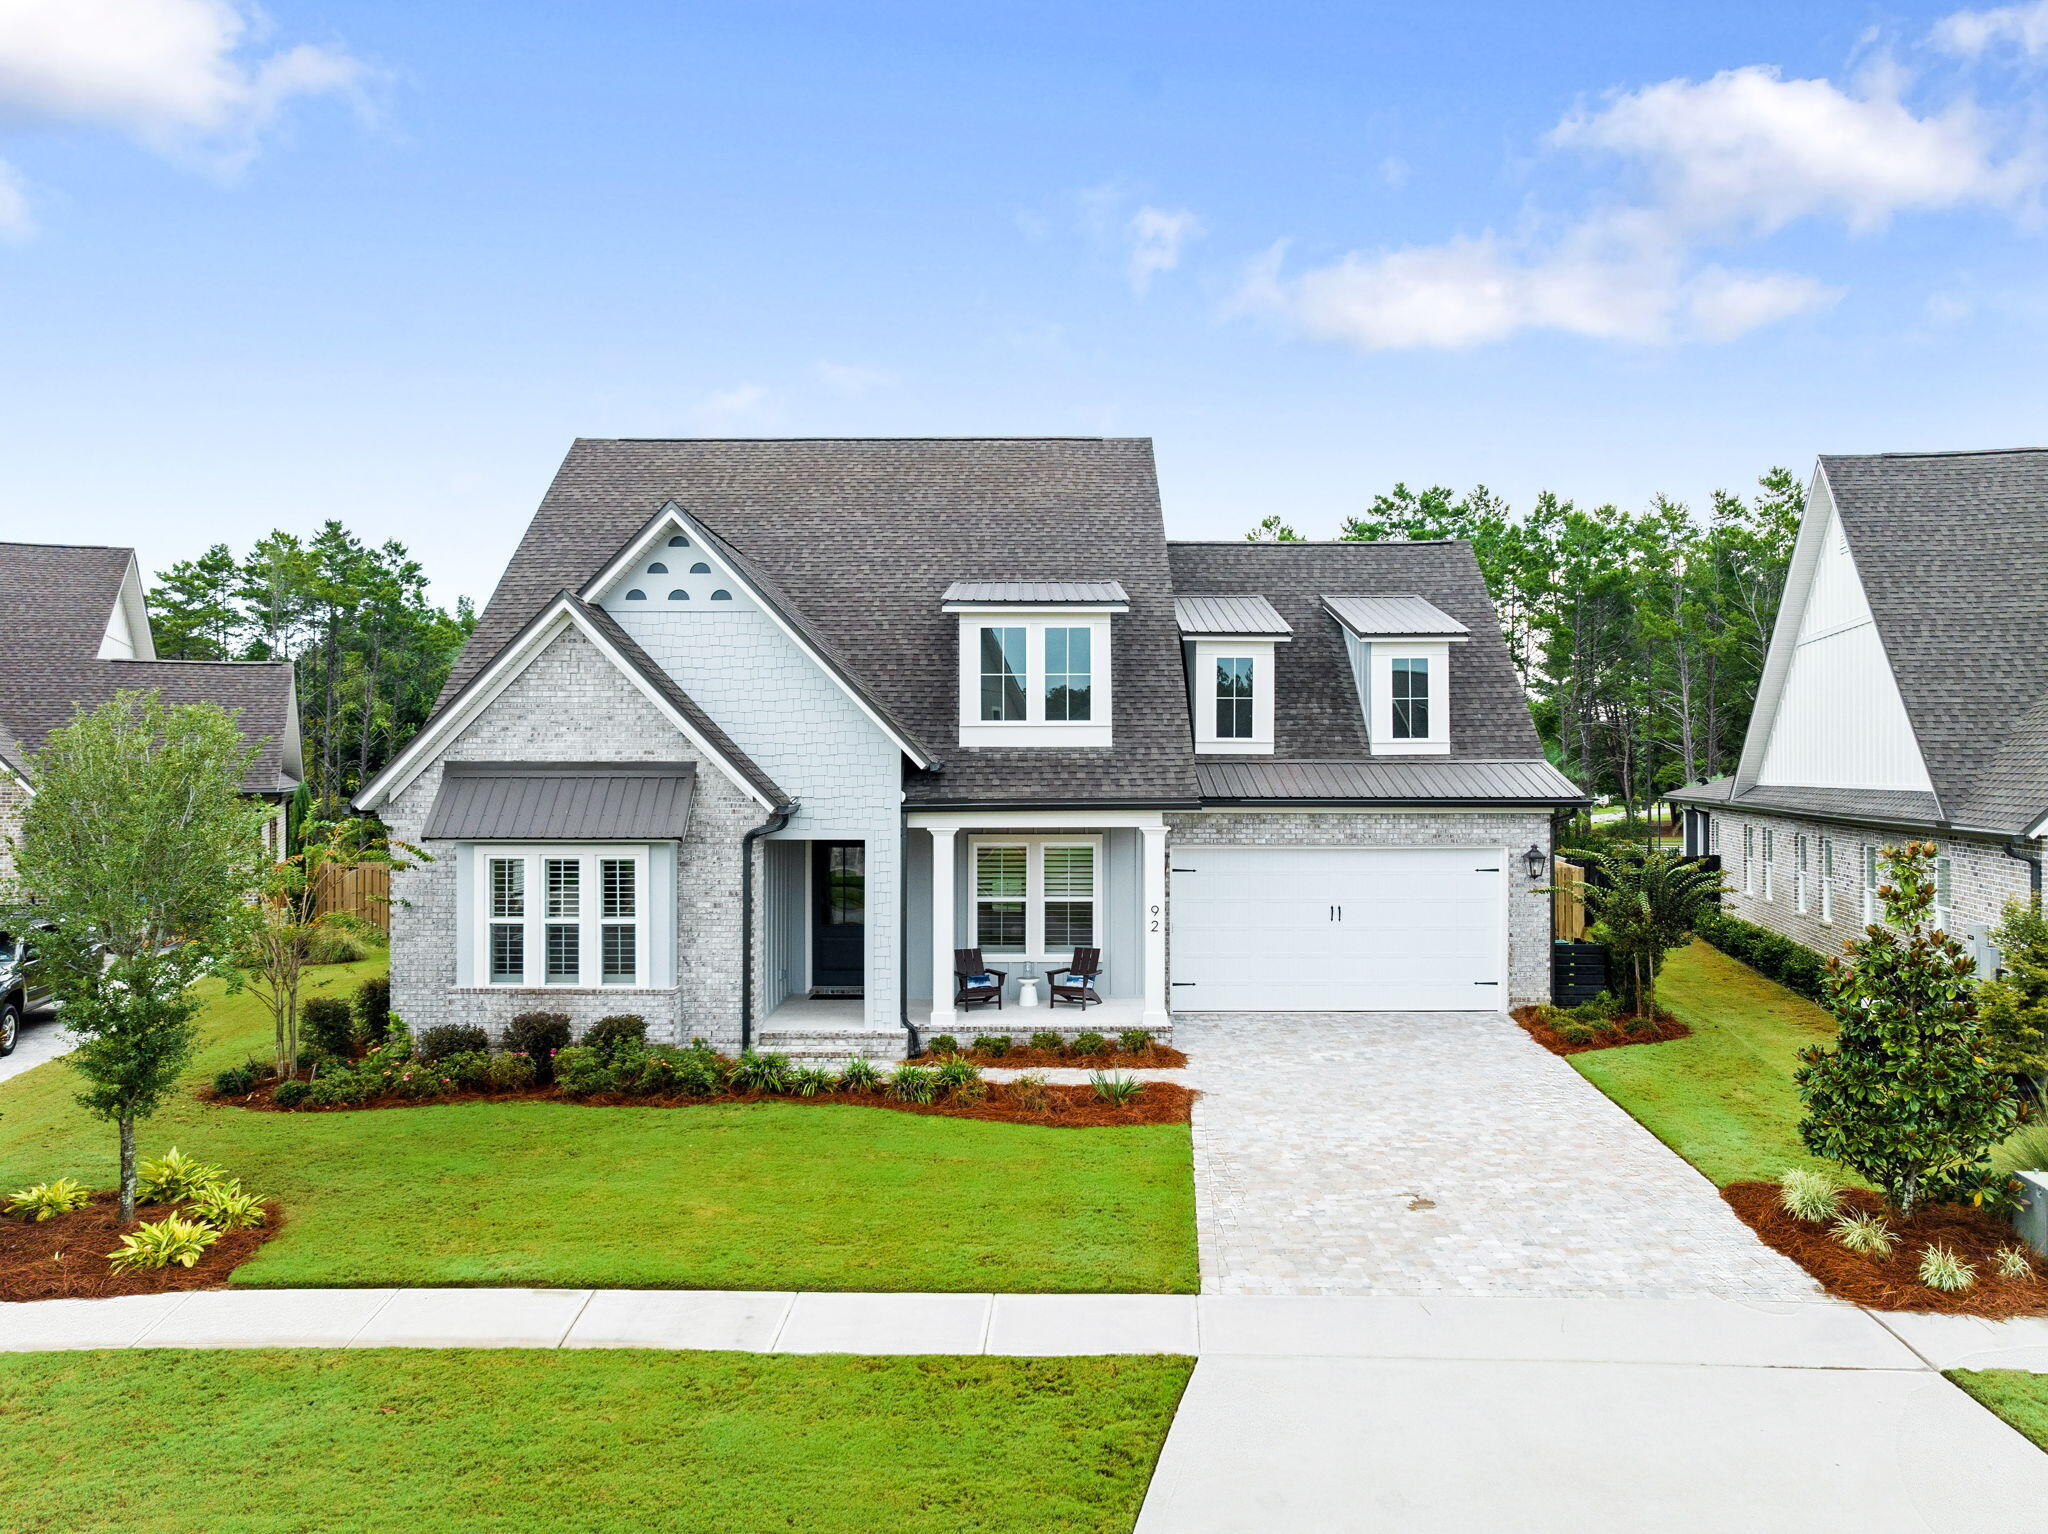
{"x": 1724, "y": 1098}
{"x": 732, "y": 1197}
{"x": 2021, "y": 1399}
{"x": 430, "y": 1442}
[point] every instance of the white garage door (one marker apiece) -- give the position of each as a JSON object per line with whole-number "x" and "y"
{"x": 1338, "y": 929}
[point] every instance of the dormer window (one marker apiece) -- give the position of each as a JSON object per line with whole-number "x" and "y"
{"x": 1400, "y": 650}
{"x": 1229, "y": 643}
{"x": 1034, "y": 661}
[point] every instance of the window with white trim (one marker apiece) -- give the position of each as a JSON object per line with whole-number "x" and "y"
{"x": 1034, "y": 680}
{"x": 1799, "y": 873}
{"x": 1869, "y": 886}
{"x": 1036, "y": 897}
{"x": 1714, "y": 835}
{"x": 1827, "y": 879}
{"x": 563, "y": 916}
{"x": 1770, "y": 861}
{"x": 1944, "y": 892}
{"x": 1233, "y": 697}
{"x": 1749, "y": 860}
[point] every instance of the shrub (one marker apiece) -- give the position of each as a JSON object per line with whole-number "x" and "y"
{"x": 292, "y": 1094}
{"x": 2014, "y": 1262}
{"x": 1050, "y": 1043}
{"x": 700, "y": 1073}
{"x": 450, "y": 1039}
{"x": 610, "y": 1035}
{"x": 1117, "y": 1091}
{"x": 1941, "y": 1268}
{"x": 1134, "y": 1041}
{"x": 327, "y": 1023}
{"x": 1904, "y": 1097}
{"x": 1867, "y": 1234}
{"x": 470, "y": 1068}
{"x": 582, "y": 1071}
{"x": 423, "y": 1079}
{"x": 950, "y": 1078}
{"x": 1576, "y": 1033}
{"x": 373, "y": 1007}
{"x": 537, "y": 1035}
{"x": 995, "y": 1045}
{"x": 509, "y": 1072}
{"x": 810, "y": 1080}
{"x": 942, "y": 1044}
{"x": 161, "y": 1243}
{"x": 227, "y": 1206}
{"x": 238, "y": 1080}
{"x": 759, "y": 1073}
{"x": 1090, "y": 1044}
{"x": 47, "y": 1200}
{"x": 1028, "y": 1091}
{"x": 173, "y": 1178}
{"x": 1772, "y": 955}
{"x": 1810, "y": 1194}
{"x": 915, "y": 1084}
{"x": 331, "y": 943}
{"x": 859, "y": 1076}
{"x": 341, "y": 1090}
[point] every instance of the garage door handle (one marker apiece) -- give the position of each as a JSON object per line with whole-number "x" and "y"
{"x": 1486, "y": 982}
{"x": 1179, "y": 983}
{"x": 1187, "y": 870}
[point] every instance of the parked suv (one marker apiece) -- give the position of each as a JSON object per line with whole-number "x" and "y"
{"x": 21, "y": 989}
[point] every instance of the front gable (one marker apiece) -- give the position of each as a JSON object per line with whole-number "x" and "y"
{"x": 1829, "y": 713}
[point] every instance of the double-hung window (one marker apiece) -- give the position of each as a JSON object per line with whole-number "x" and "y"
{"x": 1799, "y": 873}
{"x": 563, "y": 916}
{"x": 1233, "y": 697}
{"x": 1827, "y": 878}
{"x": 1069, "y": 674}
{"x": 1944, "y": 892}
{"x": 1749, "y": 860}
{"x": 1869, "y": 886}
{"x": 1037, "y": 897}
{"x": 1005, "y": 671}
{"x": 1770, "y": 861}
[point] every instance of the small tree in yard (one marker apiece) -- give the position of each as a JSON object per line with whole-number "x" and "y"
{"x": 1905, "y": 1096}
{"x": 278, "y": 928}
{"x": 139, "y": 849}
{"x": 1644, "y": 905}
{"x": 2014, "y": 1007}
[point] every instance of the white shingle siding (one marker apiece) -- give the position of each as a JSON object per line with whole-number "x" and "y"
{"x": 573, "y": 704}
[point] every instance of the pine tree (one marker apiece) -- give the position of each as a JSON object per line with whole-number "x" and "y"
{"x": 1905, "y": 1096}
{"x": 2015, "y": 1005}
{"x": 192, "y": 610}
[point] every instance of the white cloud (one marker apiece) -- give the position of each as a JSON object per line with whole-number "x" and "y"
{"x": 1394, "y": 171}
{"x": 1721, "y": 305}
{"x": 842, "y": 378}
{"x": 1972, "y": 33}
{"x": 1156, "y": 236}
{"x": 15, "y": 220}
{"x": 1749, "y": 148}
{"x": 186, "y": 78}
{"x": 741, "y": 405}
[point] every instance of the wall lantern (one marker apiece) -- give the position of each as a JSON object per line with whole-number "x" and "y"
{"x": 1533, "y": 860}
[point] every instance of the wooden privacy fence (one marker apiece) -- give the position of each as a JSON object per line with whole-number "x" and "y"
{"x": 363, "y": 889}
{"x": 1568, "y": 905}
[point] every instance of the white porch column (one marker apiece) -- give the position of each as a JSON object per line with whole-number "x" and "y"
{"x": 1158, "y": 1014}
{"x": 944, "y": 1015}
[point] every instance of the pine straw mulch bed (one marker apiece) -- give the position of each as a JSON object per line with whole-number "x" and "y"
{"x": 1160, "y": 1057}
{"x": 1066, "y": 1107}
{"x": 1666, "y": 1028}
{"x": 66, "y": 1258}
{"x": 1893, "y": 1283}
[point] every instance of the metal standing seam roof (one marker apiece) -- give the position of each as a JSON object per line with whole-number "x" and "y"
{"x": 562, "y": 801}
{"x": 1236, "y": 615}
{"x": 1407, "y": 781}
{"x": 1372, "y": 617}
{"x": 1054, "y": 593}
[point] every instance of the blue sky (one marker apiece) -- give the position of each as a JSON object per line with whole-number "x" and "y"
{"x": 383, "y": 261}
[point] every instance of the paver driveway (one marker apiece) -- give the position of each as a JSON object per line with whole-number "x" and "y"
{"x": 1441, "y": 1153}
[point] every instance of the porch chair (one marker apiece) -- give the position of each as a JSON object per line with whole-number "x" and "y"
{"x": 1078, "y": 985}
{"x": 974, "y": 983}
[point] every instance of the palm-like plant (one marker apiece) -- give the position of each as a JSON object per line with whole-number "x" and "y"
{"x": 1644, "y": 905}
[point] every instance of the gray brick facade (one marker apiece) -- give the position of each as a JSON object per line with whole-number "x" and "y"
{"x": 1528, "y": 911}
{"x": 13, "y": 799}
{"x": 573, "y": 704}
{"x": 1981, "y": 877}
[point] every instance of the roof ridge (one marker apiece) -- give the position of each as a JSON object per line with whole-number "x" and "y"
{"x": 867, "y": 439}
{"x": 1311, "y": 543}
{"x": 1950, "y": 452}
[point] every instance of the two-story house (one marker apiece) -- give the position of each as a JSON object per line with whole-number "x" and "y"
{"x": 1905, "y": 698}
{"x": 755, "y": 734}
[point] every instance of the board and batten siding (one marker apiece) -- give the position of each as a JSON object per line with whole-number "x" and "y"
{"x": 1839, "y": 720}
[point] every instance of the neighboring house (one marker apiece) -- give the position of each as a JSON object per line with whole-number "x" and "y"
{"x": 754, "y": 734}
{"x": 1905, "y": 698}
{"x": 76, "y": 632}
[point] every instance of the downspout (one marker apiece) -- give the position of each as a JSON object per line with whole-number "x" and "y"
{"x": 2032, "y": 858}
{"x": 903, "y": 935}
{"x": 774, "y": 822}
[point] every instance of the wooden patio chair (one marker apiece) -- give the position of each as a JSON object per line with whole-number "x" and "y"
{"x": 1075, "y": 984}
{"x": 974, "y": 983}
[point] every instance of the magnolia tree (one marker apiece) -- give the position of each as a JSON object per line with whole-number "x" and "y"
{"x": 138, "y": 849}
{"x": 277, "y": 930}
{"x": 1905, "y": 1097}
{"x": 1644, "y": 905}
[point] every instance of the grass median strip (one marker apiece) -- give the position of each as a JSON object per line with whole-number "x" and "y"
{"x": 2019, "y": 1398}
{"x": 760, "y": 1195}
{"x": 431, "y": 1442}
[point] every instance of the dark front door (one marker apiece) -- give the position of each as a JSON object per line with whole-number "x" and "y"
{"x": 839, "y": 916}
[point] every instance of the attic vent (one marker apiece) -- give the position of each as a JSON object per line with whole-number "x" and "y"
{"x": 721, "y": 596}
{"x": 679, "y": 542}
{"x": 700, "y": 568}
{"x": 679, "y": 595}
{"x": 636, "y": 595}
{"x": 657, "y": 569}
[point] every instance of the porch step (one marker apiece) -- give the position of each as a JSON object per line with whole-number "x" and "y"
{"x": 835, "y": 1046}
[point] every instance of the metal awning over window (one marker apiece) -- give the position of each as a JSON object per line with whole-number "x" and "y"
{"x": 562, "y": 801}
